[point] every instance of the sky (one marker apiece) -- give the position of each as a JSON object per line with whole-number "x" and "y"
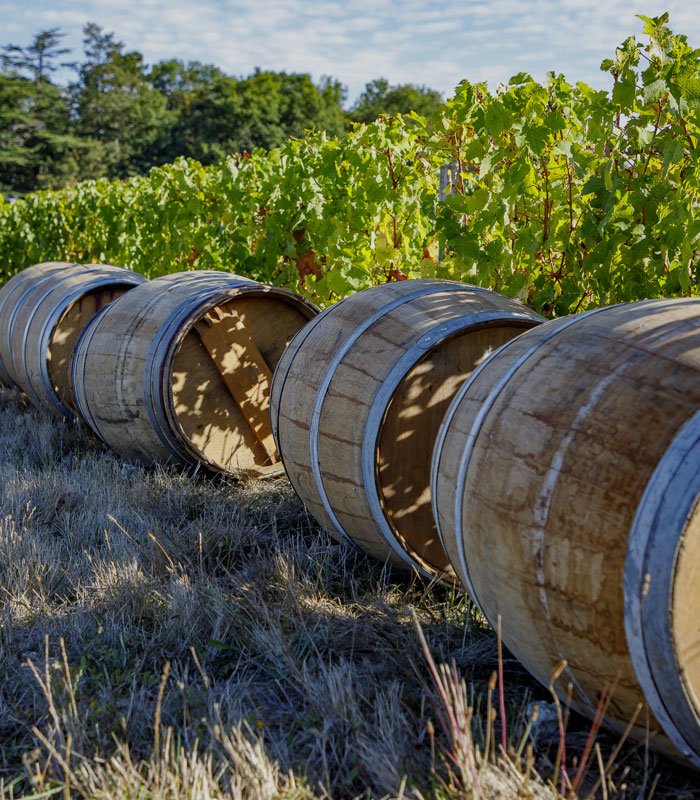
{"x": 355, "y": 41}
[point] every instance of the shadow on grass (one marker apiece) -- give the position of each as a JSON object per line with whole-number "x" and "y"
{"x": 142, "y": 607}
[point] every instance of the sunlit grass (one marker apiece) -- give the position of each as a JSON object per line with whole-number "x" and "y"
{"x": 171, "y": 635}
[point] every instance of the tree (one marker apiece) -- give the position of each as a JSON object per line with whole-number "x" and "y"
{"x": 39, "y": 58}
{"x": 198, "y": 97}
{"x": 223, "y": 115}
{"x": 36, "y": 139}
{"x": 209, "y": 123}
{"x": 178, "y": 81}
{"x": 117, "y": 107}
{"x": 277, "y": 105}
{"x": 379, "y": 97}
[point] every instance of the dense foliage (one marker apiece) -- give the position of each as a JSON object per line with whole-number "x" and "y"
{"x": 560, "y": 194}
{"x": 379, "y": 97}
{"x": 120, "y": 116}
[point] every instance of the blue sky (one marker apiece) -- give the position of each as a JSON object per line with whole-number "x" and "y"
{"x": 436, "y": 45}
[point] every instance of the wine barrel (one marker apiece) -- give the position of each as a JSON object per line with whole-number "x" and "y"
{"x": 12, "y": 294}
{"x": 47, "y": 322}
{"x": 180, "y": 370}
{"x": 358, "y": 398}
{"x": 566, "y": 480}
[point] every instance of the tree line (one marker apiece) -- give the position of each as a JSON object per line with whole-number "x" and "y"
{"x": 120, "y": 116}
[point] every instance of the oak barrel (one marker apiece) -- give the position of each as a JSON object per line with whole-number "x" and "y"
{"x": 565, "y": 482}
{"x": 47, "y": 322}
{"x": 180, "y": 370}
{"x": 12, "y": 294}
{"x": 357, "y": 401}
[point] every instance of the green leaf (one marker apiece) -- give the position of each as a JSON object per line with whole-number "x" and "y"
{"x": 655, "y": 91}
{"x": 624, "y": 92}
{"x": 536, "y": 136}
{"x": 478, "y": 200}
{"x": 519, "y": 79}
{"x": 672, "y": 153}
{"x": 497, "y": 119}
{"x": 644, "y": 136}
{"x": 485, "y": 166}
{"x": 563, "y": 147}
{"x": 690, "y": 87}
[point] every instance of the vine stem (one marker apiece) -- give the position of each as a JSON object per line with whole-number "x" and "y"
{"x": 688, "y": 138}
{"x": 653, "y": 136}
{"x": 547, "y": 205}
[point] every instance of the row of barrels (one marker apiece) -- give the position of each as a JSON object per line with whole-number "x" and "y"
{"x": 551, "y": 467}
{"x": 174, "y": 369}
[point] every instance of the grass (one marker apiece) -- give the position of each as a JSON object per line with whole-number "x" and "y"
{"x": 169, "y": 635}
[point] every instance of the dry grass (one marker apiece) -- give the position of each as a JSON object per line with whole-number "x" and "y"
{"x": 165, "y": 635}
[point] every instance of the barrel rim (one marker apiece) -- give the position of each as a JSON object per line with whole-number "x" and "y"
{"x": 153, "y": 383}
{"x": 20, "y": 353}
{"x": 171, "y": 335}
{"x": 24, "y": 286}
{"x": 432, "y": 287}
{"x": 656, "y": 533}
{"x": 556, "y": 326}
{"x": 129, "y": 278}
{"x": 419, "y": 350}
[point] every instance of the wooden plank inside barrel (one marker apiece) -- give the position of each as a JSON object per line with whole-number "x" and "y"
{"x": 242, "y": 368}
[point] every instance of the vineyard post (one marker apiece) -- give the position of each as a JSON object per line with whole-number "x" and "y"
{"x": 448, "y": 177}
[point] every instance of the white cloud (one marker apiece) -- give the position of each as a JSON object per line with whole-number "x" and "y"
{"x": 403, "y": 41}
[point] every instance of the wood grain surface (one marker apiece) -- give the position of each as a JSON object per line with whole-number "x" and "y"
{"x": 180, "y": 370}
{"x": 357, "y": 400}
{"x": 544, "y": 460}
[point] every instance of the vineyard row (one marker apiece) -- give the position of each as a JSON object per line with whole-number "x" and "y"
{"x": 561, "y": 195}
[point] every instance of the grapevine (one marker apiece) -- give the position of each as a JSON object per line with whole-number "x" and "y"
{"x": 564, "y": 196}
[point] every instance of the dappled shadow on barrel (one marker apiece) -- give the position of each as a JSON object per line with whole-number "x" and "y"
{"x": 221, "y": 380}
{"x": 410, "y": 429}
